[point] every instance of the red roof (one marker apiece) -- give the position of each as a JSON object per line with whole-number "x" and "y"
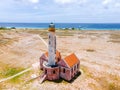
{"x": 57, "y": 54}
{"x": 71, "y": 60}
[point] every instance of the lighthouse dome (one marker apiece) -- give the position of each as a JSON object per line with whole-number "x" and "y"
{"x": 52, "y": 27}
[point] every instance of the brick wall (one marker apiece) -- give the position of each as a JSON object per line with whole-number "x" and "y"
{"x": 51, "y": 72}
{"x": 65, "y": 73}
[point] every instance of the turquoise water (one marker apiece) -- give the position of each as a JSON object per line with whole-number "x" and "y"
{"x": 83, "y": 26}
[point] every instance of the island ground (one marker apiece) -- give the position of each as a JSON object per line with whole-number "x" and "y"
{"x": 98, "y": 51}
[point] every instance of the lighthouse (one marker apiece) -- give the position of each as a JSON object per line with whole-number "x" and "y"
{"x": 51, "y": 45}
{"x": 53, "y": 65}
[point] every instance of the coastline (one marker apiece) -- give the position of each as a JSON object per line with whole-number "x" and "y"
{"x": 64, "y": 26}
{"x": 10, "y": 28}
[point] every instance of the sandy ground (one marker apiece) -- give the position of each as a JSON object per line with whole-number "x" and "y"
{"x": 98, "y": 51}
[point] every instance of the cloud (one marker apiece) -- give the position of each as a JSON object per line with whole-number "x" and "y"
{"x": 70, "y": 1}
{"x": 29, "y": 1}
{"x": 106, "y": 2}
{"x": 34, "y": 1}
{"x": 64, "y": 1}
{"x": 111, "y": 3}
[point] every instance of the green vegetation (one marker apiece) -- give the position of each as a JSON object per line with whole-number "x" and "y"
{"x": 10, "y": 72}
{"x": 73, "y": 28}
{"x": 3, "y": 28}
{"x": 12, "y": 28}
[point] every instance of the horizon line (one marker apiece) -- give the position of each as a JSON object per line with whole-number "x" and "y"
{"x": 69, "y": 22}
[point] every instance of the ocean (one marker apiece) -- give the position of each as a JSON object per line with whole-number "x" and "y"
{"x": 79, "y": 26}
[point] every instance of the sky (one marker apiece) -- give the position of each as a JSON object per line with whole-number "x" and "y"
{"x": 60, "y": 11}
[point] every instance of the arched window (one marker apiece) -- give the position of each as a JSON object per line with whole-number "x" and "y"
{"x": 53, "y": 71}
{"x": 74, "y": 68}
{"x": 45, "y": 71}
{"x": 77, "y": 66}
{"x": 63, "y": 70}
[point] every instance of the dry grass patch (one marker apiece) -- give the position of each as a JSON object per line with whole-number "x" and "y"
{"x": 86, "y": 71}
{"x": 105, "y": 80}
{"x": 42, "y": 33}
{"x": 115, "y": 36}
{"x": 90, "y": 50}
{"x": 93, "y": 86}
{"x": 114, "y": 41}
{"x": 108, "y": 81}
{"x": 64, "y": 33}
{"x": 114, "y": 86}
{"x": 5, "y": 41}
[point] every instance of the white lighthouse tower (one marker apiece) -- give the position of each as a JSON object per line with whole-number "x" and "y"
{"x": 51, "y": 45}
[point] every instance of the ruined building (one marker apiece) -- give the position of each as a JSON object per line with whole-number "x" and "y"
{"x": 53, "y": 65}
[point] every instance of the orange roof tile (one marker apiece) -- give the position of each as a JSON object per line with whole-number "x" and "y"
{"x": 57, "y": 54}
{"x": 71, "y": 60}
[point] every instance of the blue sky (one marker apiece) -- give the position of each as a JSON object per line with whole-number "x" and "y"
{"x": 76, "y": 11}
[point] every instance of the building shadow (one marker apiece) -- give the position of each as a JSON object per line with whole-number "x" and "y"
{"x": 76, "y": 76}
